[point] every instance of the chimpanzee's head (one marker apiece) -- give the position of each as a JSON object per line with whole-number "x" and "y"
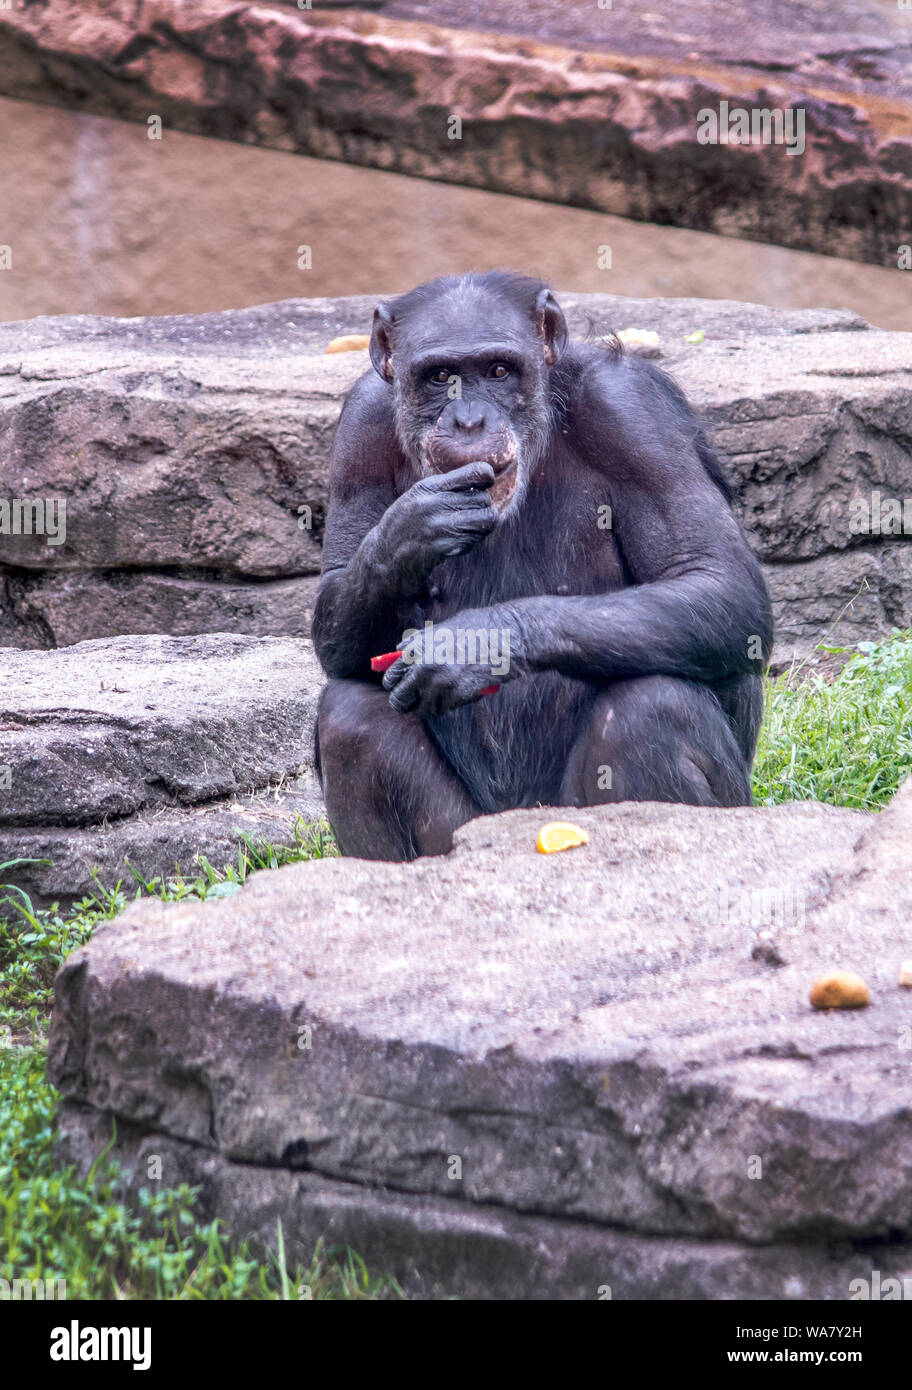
{"x": 469, "y": 358}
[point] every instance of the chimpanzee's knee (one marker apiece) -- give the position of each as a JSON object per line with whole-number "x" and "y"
{"x": 346, "y": 713}
{"x": 657, "y": 738}
{"x": 388, "y": 793}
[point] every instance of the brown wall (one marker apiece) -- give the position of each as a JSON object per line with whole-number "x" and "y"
{"x": 101, "y": 219}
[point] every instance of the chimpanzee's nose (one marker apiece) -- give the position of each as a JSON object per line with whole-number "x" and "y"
{"x": 469, "y": 417}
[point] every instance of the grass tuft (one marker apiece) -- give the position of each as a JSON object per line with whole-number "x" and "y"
{"x": 848, "y": 742}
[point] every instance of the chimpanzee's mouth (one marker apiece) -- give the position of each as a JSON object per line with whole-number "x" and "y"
{"x": 502, "y": 490}
{"x": 498, "y": 449}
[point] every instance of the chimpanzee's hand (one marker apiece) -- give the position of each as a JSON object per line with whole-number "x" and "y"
{"x": 449, "y": 664}
{"x": 443, "y": 515}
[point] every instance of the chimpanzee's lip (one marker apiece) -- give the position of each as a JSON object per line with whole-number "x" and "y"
{"x": 503, "y": 487}
{"x": 502, "y": 465}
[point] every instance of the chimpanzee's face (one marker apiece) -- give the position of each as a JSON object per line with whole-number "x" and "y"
{"x": 471, "y": 383}
{"x": 463, "y": 406}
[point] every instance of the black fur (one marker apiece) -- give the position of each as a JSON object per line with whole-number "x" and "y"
{"x": 639, "y": 647}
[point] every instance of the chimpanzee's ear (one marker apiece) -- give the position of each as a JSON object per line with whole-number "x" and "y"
{"x": 552, "y": 326}
{"x": 381, "y": 343}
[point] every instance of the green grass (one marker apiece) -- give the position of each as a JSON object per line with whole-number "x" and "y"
{"x": 56, "y": 1225}
{"x": 34, "y": 942}
{"x": 847, "y": 742}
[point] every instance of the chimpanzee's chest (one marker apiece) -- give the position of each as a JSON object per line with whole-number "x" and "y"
{"x": 560, "y": 541}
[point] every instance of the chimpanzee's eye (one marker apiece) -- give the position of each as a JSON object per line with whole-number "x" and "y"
{"x": 499, "y": 370}
{"x": 440, "y": 375}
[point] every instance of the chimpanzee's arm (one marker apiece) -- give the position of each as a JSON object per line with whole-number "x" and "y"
{"x": 381, "y": 541}
{"x": 699, "y": 596}
{"x": 355, "y": 614}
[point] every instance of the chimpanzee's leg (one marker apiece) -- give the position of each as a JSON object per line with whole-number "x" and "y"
{"x": 389, "y": 794}
{"x": 742, "y": 700}
{"x": 657, "y": 738}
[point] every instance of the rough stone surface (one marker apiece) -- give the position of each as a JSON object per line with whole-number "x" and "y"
{"x": 808, "y": 429}
{"x": 588, "y": 1032}
{"x": 202, "y": 439}
{"x": 164, "y": 227}
{"x": 435, "y": 1247}
{"x": 150, "y": 749}
{"x": 843, "y": 597}
{"x": 154, "y": 844}
{"x": 58, "y": 610}
{"x": 601, "y": 114}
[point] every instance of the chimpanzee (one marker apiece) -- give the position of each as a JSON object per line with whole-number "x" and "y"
{"x": 544, "y": 531}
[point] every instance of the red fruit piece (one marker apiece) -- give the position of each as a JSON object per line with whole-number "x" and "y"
{"x": 385, "y": 661}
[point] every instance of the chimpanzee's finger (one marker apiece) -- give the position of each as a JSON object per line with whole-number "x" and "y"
{"x": 469, "y": 476}
{"x": 394, "y": 674}
{"x": 407, "y": 692}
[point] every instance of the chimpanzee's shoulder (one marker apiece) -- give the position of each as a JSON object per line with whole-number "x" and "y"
{"x": 370, "y": 400}
{"x": 613, "y": 401}
{"x": 604, "y": 387}
{"x": 365, "y": 443}
{"x": 603, "y": 373}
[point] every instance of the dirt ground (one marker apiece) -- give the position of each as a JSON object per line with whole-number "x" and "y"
{"x": 102, "y": 220}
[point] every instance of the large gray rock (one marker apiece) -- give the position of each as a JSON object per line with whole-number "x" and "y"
{"x": 195, "y": 459}
{"x": 599, "y": 1037}
{"x": 843, "y": 597}
{"x": 149, "y": 750}
{"x": 197, "y": 493}
{"x": 439, "y": 1247}
{"x": 807, "y": 427}
{"x": 58, "y": 610}
{"x": 580, "y": 104}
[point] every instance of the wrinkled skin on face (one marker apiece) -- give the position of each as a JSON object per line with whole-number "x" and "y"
{"x": 470, "y": 383}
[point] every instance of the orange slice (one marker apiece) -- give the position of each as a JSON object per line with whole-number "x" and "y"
{"x": 349, "y": 342}
{"x": 560, "y": 834}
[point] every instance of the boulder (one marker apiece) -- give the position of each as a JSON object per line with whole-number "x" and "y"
{"x": 597, "y": 1067}
{"x": 568, "y": 103}
{"x": 147, "y": 751}
{"x": 61, "y": 609}
{"x": 439, "y": 1247}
